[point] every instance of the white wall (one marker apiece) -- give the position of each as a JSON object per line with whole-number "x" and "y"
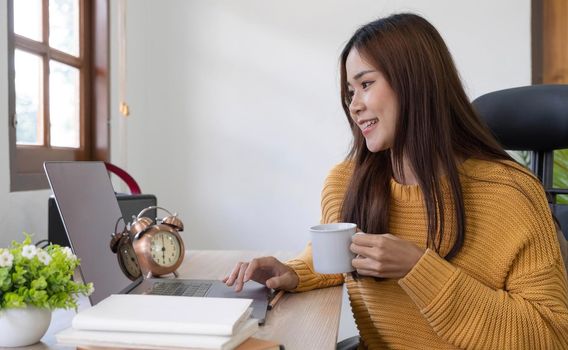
{"x": 235, "y": 114}
{"x": 235, "y": 110}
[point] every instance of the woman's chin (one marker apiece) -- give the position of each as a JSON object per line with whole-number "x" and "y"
{"x": 375, "y": 147}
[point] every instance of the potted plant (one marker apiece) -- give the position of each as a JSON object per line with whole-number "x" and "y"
{"x": 33, "y": 282}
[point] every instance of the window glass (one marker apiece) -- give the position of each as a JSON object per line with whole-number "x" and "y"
{"x": 523, "y": 157}
{"x": 64, "y": 105}
{"x": 64, "y": 26}
{"x": 560, "y": 173}
{"x": 28, "y": 18}
{"x": 29, "y": 94}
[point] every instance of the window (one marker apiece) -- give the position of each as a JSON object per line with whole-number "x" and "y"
{"x": 58, "y": 57}
{"x": 559, "y": 169}
{"x": 560, "y": 173}
{"x": 523, "y": 157}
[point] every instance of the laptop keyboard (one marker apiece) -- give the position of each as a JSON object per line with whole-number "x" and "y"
{"x": 188, "y": 289}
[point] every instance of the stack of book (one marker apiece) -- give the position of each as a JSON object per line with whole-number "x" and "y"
{"x": 156, "y": 321}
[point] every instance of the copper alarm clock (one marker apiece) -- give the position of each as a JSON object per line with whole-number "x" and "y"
{"x": 121, "y": 245}
{"x": 157, "y": 242}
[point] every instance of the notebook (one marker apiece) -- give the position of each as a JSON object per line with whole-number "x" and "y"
{"x": 89, "y": 211}
{"x": 153, "y": 314}
{"x": 159, "y": 341}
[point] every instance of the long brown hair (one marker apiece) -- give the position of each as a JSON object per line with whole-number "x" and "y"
{"x": 436, "y": 124}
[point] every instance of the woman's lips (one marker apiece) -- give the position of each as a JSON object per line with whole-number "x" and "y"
{"x": 370, "y": 126}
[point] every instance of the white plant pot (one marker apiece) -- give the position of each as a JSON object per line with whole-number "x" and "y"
{"x": 23, "y": 326}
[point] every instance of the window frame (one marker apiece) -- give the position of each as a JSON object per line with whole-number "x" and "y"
{"x": 26, "y": 161}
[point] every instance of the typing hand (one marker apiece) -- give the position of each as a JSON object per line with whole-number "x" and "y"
{"x": 384, "y": 255}
{"x": 266, "y": 270}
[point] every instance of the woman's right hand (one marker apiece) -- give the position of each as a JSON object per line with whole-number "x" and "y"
{"x": 266, "y": 270}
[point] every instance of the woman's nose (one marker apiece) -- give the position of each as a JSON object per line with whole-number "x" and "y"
{"x": 356, "y": 104}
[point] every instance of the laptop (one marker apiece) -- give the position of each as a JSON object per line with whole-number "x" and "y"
{"x": 89, "y": 211}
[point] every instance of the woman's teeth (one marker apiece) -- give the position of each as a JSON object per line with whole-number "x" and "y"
{"x": 371, "y": 122}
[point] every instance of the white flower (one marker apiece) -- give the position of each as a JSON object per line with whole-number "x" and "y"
{"x": 43, "y": 256}
{"x": 6, "y": 258}
{"x": 29, "y": 251}
{"x": 69, "y": 253}
{"x": 91, "y": 289}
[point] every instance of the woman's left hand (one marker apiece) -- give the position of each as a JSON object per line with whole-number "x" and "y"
{"x": 384, "y": 255}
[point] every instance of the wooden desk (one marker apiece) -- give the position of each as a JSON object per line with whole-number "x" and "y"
{"x": 299, "y": 321}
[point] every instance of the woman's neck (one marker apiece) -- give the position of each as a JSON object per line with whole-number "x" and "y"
{"x": 408, "y": 177}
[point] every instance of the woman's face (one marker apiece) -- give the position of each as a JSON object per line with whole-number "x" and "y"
{"x": 373, "y": 105}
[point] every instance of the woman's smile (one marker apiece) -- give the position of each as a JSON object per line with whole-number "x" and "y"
{"x": 368, "y": 126}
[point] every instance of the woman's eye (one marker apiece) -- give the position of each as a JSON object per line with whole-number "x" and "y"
{"x": 366, "y": 84}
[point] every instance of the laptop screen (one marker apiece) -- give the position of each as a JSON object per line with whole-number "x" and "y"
{"x": 89, "y": 210}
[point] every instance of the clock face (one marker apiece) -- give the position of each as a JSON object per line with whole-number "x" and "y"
{"x": 129, "y": 262}
{"x": 165, "y": 248}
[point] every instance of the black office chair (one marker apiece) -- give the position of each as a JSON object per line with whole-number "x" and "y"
{"x": 532, "y": 118}
{"x": 351, "y": 343}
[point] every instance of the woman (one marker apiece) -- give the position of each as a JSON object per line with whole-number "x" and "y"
{"x": 460, "y": 249}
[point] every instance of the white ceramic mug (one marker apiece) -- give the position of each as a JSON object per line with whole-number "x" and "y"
{"x": 330, "y": 247}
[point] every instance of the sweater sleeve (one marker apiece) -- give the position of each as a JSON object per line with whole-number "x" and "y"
{"x": 331, "y": 199}
{"x": 529, "y": 312}
{"x": 309, "y": 279}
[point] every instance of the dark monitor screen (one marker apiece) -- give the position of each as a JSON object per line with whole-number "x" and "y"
{"x": 130, "y": 205}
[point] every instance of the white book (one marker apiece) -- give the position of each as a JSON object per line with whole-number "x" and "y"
{"x": 164, "y": 314}
{"x": 138, "y": 340}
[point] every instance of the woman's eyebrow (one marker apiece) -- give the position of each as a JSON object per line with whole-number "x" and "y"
{"x": 360, "y": 74}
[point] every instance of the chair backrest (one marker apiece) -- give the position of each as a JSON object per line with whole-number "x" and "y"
{"x": 532, "y": 118}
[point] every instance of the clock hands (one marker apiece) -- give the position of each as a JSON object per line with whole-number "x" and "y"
{"x": 163, "y": 249}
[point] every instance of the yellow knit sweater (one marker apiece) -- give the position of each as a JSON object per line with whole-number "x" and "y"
{"x": 506, "y": 288}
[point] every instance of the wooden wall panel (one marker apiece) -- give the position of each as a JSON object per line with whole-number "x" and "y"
{"x": 550, "y": 41}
